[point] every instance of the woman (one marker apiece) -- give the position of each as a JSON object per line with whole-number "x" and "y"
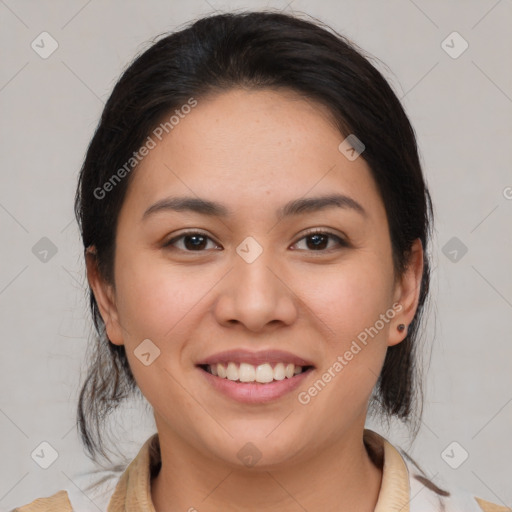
{"x": 255, "y": 225}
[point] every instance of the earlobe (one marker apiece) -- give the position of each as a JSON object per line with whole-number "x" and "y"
{"x": 105, "y": 298}
{"x": 407, "y": 293}
{"x": 398, "y": 335}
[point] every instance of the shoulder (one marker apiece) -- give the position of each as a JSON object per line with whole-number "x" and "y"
{"x": 82, "y": 496}
{"x": 58, "y": 502}
{"x": 443, "y": 495}
{"x": 487, "y": 506}
{"x": 93, "y": 491}
{"x": 405, "y": 486}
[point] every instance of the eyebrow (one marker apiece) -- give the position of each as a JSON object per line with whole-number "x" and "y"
{"x": 294, "y": 207}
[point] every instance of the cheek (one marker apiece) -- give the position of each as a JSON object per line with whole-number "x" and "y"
{"x": 349, "y": 305}
{"x": 348, "y": 298}
{"x": 155, "y": 298}
{"x": 156, "y": 301}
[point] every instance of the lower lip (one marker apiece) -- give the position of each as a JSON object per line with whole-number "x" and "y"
{"x": 254, "y": 392}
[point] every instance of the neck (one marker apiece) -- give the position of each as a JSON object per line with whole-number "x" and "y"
{"x": 340, "y": 477}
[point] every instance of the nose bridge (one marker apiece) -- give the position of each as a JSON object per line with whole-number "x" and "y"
{"x": 253, "y": 276}
{"x": 252, "y": 293}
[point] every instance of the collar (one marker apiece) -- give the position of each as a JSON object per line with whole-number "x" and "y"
{"x": 133, "y": 490}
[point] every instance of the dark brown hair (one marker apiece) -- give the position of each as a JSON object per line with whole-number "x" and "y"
{"x": 261, "y": 49}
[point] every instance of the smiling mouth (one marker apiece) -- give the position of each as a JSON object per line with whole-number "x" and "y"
{"x": 247, "y": 373}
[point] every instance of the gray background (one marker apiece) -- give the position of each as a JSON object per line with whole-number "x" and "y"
{"x": 461, "y": 110}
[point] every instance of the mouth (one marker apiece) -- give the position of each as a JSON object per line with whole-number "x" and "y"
{"x": 254, "y": 377}
{"x": 254, "y": 384}
{"x": 264, "y": 373}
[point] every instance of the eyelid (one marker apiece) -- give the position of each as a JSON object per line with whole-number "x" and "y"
{"x": 190, "y": 231}
{"x": 324, "y": 231}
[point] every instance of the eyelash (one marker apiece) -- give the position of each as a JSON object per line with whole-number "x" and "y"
{"x": 341, "y": 242}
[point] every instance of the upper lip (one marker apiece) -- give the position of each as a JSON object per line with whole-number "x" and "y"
{"x": 255, "y": 358}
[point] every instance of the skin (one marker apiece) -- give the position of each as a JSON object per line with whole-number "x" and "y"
{"x": 253, "y": 151}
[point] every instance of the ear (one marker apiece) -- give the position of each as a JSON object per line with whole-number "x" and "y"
{"x": 105, "y": 298}
{"x": 407, "y": 293}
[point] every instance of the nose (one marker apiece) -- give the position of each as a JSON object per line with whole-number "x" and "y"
{"x": 256, "y": 295}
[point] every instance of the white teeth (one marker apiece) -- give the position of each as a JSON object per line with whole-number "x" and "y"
{"x": 262, "y": 373}
{"x": 279, "y": 371}
{"x": 221, "y": 370}
{"x": 232, "y": 371}
{"x": 246, "y": 373}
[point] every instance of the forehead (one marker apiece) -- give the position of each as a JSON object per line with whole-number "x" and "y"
{"x": 242, "y": 144}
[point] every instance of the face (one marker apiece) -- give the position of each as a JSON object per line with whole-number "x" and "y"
{"x": 249, "y": 274}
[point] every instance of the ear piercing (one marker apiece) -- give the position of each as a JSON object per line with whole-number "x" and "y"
{"x": 401, "y": 327}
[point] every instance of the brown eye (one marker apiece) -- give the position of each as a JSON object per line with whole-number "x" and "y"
{"x": 319, "y": 241}
{"x": 191, "y": 241}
